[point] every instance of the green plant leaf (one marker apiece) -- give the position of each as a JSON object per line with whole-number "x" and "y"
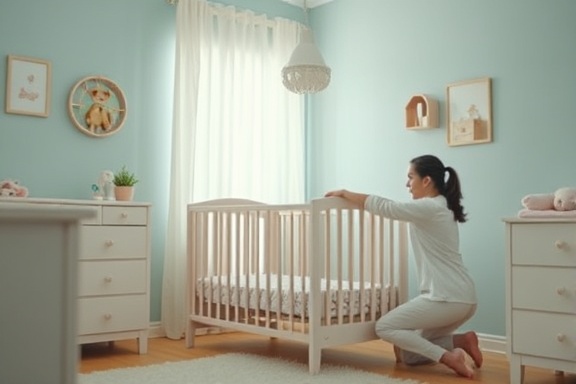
{"x": 124, "y": 178}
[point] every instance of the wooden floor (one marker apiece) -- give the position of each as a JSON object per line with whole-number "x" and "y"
{"x": 373, "y": 356}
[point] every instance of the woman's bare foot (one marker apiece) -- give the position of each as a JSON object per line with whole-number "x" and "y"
{"x": 398, "y": 354}
{"x": 469, "y": 343}
{"x": 456, "y": 360}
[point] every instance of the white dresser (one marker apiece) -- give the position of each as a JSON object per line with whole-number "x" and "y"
{"x": 114, "y": 275}
{"x": 113, "y": 271}
{"x": 540, "y": 295}
{"x": 39, "y": 245}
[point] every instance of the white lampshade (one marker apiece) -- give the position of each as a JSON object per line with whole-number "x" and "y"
{"x": 306, "y": 71}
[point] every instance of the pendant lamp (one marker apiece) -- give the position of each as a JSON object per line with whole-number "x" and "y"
{"x": 306, "y": 71}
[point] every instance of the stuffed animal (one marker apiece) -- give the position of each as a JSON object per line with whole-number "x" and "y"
{"x": 98, "y": 115}
{"x": 12, "y": 188}
{"x": 563, "y": 199}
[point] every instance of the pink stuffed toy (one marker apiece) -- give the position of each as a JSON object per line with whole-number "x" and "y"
{"x": 12, "y": 188}
{"x": 564, "y": 199}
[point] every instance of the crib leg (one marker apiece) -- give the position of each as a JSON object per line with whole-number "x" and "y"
{"x": 314, "y": 358}
{"x": 190, "y": 333}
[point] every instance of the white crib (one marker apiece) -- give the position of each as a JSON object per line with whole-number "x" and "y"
{"x": 320, "y": 273}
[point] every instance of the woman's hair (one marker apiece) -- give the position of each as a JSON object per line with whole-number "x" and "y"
{"x": 429, "y": 165}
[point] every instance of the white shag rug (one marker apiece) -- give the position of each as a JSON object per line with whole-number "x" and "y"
{"x": 236, "y": 368}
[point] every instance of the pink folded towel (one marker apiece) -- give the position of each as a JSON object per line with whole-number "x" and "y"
{"x": 545, "y": 213}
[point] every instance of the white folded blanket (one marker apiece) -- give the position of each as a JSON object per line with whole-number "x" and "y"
{"x": 545, "y": 213}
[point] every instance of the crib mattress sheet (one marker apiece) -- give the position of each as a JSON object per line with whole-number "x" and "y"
{"x": 254, "y": 293}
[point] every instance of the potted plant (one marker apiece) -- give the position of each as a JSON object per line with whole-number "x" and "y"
{"x": 124, "y": 182}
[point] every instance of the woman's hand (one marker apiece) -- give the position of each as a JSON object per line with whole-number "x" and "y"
{"x": 337, "y": 193}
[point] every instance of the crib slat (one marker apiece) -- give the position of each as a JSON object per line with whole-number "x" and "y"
{"x": 305, "y": 260}
{"x": 291, "y": 257}
{"x": 192, "y": 268}
{"x": 402, "y": 263}
{"x": 277, "y": 234}
{"x": 340, "y": 240}
{"x": 328, "y": 275}
{"x": 390, "y": 238}
{"x": 361, "y": 265}
{"x": 373, "y": 267}
{"x": 385, "y": 263}
{"x": 349, "y": 256}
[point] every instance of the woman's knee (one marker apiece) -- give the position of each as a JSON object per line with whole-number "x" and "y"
{"x": 384, "y": 329}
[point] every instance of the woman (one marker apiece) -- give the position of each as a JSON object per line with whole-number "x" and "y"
{"x": 422, "y": 329}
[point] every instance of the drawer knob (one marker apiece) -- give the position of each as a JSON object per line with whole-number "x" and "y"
{"x": 560, "y": 337}
{"x": 109, "y": 243}
{"x": 560, "y": 244}
{"x": 108, "y": 279}
{"x": 124, "y": 215}
{"x": 108, "y": 316}
{"x": 561, "y": 290}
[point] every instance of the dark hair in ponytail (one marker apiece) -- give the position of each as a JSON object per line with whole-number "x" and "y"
{"x": 429, "y": 165}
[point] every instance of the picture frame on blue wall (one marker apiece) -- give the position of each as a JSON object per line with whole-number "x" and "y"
{"x": 97, "y": 106}
{"x": 469, "y": 112}
{"x": 28, "y": 86}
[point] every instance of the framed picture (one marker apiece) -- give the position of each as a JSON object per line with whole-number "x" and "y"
{"x": 28, "y": 86}
{"x": 469, "y": 112}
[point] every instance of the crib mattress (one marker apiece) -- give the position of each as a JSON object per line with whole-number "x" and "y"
{"x": 254, "y": 293}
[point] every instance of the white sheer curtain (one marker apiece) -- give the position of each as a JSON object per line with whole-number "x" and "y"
{"x": 237, "y": 132}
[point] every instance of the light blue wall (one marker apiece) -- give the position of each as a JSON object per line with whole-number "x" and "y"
{"x": 128, "y": 41}
{"x": 381, "y": 52}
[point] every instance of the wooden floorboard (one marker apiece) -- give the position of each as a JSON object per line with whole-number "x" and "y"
{"x": 373, "y": 356}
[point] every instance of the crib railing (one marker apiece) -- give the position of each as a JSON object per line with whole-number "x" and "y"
{"x": 292, "y": 267}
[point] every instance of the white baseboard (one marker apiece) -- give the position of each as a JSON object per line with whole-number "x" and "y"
{"x": 492, "y": 343}
{"x": 156, "y": 330}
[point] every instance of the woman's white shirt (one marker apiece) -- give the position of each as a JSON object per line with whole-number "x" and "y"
{"x": 435, "y": 243}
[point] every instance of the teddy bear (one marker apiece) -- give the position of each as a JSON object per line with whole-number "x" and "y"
{"x": 563, "y": 199}
{"x": 12, "y": 188}
{"x": 98, "y": 115}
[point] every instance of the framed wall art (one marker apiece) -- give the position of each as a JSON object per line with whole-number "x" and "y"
{"x": 28, "y": 82}
{"x": 97, "y": 106}
{"x": 469, "y": 112}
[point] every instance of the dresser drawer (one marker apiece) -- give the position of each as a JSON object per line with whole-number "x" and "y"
{"x": 109, "y": 242}
{"x": 112, "y": 314}
{"x": 123, "y": 215}
{"x": 546, "y": 289}
{"x": 552, "y": 244}
{"x": 98, "y": 278}
{"x": 544, "y": 334}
